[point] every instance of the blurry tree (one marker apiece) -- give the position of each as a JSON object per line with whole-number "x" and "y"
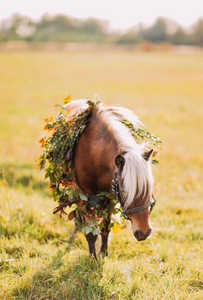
{"x": 156, "y": 33}
{"x": 56, "y": 23}
{"x": 198, "y": 32}
{"x": 130, "y": 37}
{"x": 92, "y": 26}
{"x": 16, "y": 28}
{"x": 179, "y": 37}
{"x": 10, "y": 27}
{"x": 93, "y": 30}
{"x": 3, "y": 31}
{"x": 52, "y": 29}
{"x": 61, "y": 28}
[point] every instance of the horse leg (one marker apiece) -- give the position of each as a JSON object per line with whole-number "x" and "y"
{"x": 91, "y": 239}
{"x": 105, "y": 234}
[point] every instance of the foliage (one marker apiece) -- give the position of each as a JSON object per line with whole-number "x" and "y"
{"x": 142, "y": 135}
{"x": 156, "y": 33}
{"x": 87, "y": 211}
{"x": 61, "y": 28}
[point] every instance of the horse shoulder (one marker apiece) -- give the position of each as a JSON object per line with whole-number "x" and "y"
{"x": 94, "y": 158}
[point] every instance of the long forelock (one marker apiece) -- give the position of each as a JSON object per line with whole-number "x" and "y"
{"x": 137, "y": 178}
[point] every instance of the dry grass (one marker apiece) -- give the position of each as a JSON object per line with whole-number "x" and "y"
{"x": 41, "y": 257}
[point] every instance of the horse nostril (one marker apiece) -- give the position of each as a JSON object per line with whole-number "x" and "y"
{"x": 141, "y": 236}
{"x": 138, "y": 234}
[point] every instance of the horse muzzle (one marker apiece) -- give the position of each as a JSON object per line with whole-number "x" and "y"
{"x": 141, "y": 236}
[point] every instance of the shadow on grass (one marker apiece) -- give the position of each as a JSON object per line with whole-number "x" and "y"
{"x": 23, "y": 175}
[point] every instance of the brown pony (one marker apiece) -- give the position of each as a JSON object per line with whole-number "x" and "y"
{"x": 107, "y": 151}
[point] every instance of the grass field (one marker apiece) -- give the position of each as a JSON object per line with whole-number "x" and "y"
{"x": 41, "y": 256}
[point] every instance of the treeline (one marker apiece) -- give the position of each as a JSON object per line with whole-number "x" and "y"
{"x": 61, "y": 28}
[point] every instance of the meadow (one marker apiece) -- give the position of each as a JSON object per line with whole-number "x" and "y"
{"x": 41, "y": 255}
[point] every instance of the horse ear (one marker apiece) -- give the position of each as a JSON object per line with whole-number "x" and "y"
{"x": 146, "y": 155}
{"x": 120, "y": 162}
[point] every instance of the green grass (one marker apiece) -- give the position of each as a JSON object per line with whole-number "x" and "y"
{"x": 41, "y": 256}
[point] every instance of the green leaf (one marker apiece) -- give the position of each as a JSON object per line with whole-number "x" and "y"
{"x": 64, "y": 192}
{"x": 83, "y": 197}
{"x": 46, "y": 175}
{"x": 94, "y": 200}
{"x": 96, "y": 231}
{"x": 155, "y": 161}
{"x": 88, "y": 229}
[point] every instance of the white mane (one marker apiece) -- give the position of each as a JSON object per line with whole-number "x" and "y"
{"x": 137, "y": 174}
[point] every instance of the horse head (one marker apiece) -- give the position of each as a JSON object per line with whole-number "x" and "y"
{"x": 136, "y": 204}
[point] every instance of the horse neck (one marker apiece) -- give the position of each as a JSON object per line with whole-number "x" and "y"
{"x": 94, "y": 156}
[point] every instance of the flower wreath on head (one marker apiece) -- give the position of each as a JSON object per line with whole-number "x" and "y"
{"x": 88, "y": 211}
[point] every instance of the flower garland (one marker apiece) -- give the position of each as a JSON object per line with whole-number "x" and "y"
{"x": 142, "y": 135}
{"x": 88, "y": 211}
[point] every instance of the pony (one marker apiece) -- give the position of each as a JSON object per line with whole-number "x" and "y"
{"x": 106, "y": 153}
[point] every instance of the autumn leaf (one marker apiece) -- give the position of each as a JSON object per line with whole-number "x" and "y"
{"x": 46, "y": 127}
{"x": 116, "y": 227}
{"x": 42, "y": 140}
{"x": 52, "y": 185}
{"x": 40, "y": 163}
{"x": 67, "y": 99}
{"x": 71, "y": 215}
{"x": 46, "y": 120}
{"x": 68, "y": 111}
{"x": 54, "y": 130}
{"x": 154, "y": 153}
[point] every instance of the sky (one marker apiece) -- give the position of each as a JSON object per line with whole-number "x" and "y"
{"x": 122, "y": 14}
